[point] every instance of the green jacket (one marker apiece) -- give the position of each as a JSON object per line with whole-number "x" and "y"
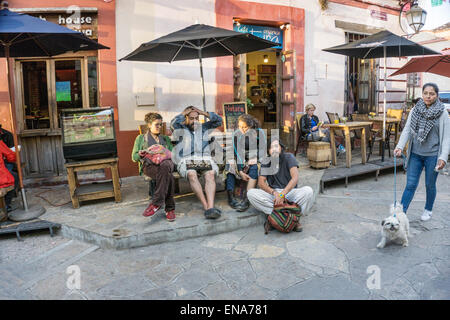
{"x": 140, "y": 144}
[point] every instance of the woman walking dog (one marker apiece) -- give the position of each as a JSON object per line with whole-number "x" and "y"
{"x": 428, "y": 132}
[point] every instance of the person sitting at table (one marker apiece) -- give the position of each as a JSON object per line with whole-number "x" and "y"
{"x": 161, "y": 173}
{"x": 311, "y": 128}
{"x": 248, "y": 146}
{"x": 193, "y": 155}
{"x": 278, "y": 183}
{"x": 7, "y": 179}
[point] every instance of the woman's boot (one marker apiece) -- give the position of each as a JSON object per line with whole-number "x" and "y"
{"x": 244, "y": 204}
{"x": 232, "y": 200}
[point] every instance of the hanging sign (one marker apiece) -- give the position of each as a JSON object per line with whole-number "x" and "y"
{"x": 267, "y": 33}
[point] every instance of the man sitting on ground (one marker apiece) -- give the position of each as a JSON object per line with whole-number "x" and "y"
{"x": 194, "y": 156}
{"x": 279, "y": 182}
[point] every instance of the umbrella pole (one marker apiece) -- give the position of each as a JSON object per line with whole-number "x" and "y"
{"x": 384, "y": 107}
{"x": 37, "y": 210}
{"x": 203, "y": 79}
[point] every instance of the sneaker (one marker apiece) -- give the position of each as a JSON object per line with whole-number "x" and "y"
{"x": 170, "y": 215}
{"x": 426, "y": 215}
{"x": 151, "y": 210}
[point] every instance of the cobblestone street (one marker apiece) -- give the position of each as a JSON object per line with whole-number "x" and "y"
{"x": 328, "y": 260}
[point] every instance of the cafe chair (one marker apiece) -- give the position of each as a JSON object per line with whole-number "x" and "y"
{"x": 301, "y": 139}
{"x": 372, "y": 134}
{"x": 339, "y": 133}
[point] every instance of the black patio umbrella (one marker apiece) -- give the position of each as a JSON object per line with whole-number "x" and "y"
{"x": 381, "y": 45}
{"x": 198, "y": 41}
{"x": 22, "y": 35}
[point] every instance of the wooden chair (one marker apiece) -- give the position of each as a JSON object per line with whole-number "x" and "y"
{"x": 339, "y": 133}
{"x": 372, "y": 134}
{"x": 301, "y": 139}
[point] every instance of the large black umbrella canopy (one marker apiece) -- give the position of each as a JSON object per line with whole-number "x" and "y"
{"x": 381, "y": 45}
{"x": 196, "y": 42}
{"x": 373, "y": 46}
{"x": 22, "y": 35}
{"x": 27, "y": 36}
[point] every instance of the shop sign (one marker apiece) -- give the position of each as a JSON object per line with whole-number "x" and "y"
{"x": 85, "y": 22}
{"x": 436, "y": 3}
{"x": 267, "y": 33}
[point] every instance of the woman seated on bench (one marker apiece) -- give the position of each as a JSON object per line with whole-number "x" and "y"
{"x": 162, "y": 173}
{"x": 249, "y": 145}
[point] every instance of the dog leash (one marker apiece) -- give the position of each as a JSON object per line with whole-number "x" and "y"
{"x": 395, "y": 179}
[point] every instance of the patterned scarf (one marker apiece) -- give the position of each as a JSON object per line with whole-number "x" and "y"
{"x": 423, "y": 119}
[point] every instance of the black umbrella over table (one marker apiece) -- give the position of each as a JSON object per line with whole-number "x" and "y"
{"x": 381, "y": 45}
{"x": 198, "y": 41}
{"x": 22, "y": 35}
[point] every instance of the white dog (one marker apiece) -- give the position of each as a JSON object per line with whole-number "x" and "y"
{"x": 395, "y": 228}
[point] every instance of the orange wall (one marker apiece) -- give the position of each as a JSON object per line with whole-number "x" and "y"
{"x": 107, "y": 70}
{"x": 294, "y": 38}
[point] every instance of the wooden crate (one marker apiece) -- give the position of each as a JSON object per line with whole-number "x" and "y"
{"x": 319, "y": 154}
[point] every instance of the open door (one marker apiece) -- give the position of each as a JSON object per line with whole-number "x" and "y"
{"x": 287, "y": 98}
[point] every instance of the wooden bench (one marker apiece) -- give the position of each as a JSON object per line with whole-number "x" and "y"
{"x": 3, "y": 211}
{"x": 227, "y": 146}
{"x": 93, "y": 191}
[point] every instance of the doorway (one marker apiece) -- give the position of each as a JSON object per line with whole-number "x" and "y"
{"x": 360, "y": 82}
{"x": 47, "y": 86}
{"x": 256, "y": 82}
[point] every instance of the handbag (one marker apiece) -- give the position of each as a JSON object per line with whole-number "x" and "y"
{"x": 155, "y": 154}
{"x": 284, "y": 218}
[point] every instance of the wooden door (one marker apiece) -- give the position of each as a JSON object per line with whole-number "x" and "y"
{"x": 44, "y": 88}
{"x": 287, "y": 105}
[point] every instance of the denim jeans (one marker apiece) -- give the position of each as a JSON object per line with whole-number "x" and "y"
{"x": 11, "y": 194}
{"x": 231, "y": 179}
{"x": 414, "y": 171}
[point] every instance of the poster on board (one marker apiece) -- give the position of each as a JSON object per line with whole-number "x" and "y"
{"x": 231, "y": 112}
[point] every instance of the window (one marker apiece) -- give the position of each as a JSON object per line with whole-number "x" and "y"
{"x": 35, "y": 93}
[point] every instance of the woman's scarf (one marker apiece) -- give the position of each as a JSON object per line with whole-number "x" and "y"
{"x": 423, "y": 119}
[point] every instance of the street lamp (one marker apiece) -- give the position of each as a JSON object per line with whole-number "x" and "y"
{"x": 415, "y": 16}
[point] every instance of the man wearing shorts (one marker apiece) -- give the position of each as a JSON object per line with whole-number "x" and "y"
{"x": 195, "y": 156}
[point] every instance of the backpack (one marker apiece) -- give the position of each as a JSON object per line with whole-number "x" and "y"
{"x": 284, "y": 218}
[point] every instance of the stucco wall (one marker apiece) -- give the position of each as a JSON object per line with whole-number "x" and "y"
{"x": 177, "y": 85}
{"x": 325, "y": 72}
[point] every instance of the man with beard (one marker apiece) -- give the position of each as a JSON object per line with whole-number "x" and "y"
{"x": 194, "y": 159}
{"x": 278, "y": 182}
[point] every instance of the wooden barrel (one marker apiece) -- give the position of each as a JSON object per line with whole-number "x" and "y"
{"x": 319, "y": 154}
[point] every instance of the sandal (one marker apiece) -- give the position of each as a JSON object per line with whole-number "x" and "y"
{"x": 212, "y": 213}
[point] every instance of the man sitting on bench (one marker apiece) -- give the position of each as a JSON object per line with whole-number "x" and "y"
{"x": 193, "y": 155}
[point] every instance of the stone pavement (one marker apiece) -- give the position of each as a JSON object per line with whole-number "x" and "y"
{"x": 121, "y": 225}
{"x": 333, "y": 258}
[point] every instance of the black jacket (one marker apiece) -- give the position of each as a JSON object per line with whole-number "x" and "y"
{"x": 6, "y": 137}
{"x": 305, "y": 123}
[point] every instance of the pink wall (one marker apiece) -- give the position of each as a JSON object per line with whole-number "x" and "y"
{"x": 107, "y": 70}
{"x": 294, "y": 39}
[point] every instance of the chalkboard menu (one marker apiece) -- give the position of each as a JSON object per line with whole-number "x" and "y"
{"x": 231, "y": 112}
